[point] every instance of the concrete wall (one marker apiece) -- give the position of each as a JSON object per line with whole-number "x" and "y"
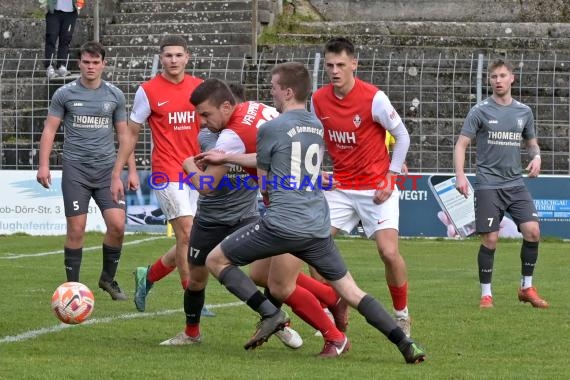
{"x": 444, "y": 10}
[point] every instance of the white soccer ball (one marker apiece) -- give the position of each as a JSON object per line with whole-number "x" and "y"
{"x": 72, "y": 302}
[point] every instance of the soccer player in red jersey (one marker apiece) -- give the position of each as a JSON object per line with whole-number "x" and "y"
{"x": 356, "y": 117}
{"x": 174, "y": 124}
{"x": 239, "y": 124}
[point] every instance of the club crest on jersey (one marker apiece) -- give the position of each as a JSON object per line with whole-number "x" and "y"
{"x": 107, "y": 107}
{"x": 357, "y": 120}
{"x": 520, "y": 123}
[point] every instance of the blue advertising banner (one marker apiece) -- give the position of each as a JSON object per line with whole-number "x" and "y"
{"x": 433, "y": 208}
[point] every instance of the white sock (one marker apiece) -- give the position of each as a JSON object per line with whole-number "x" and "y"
{"x": 526, "y": 282}
{"x": 401, "y": 313}
{"x": 486, "y": 290}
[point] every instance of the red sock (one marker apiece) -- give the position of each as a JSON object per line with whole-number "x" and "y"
{"x": 192, "y": 330}
{"x": 324, "y": 292}
{"x": 158, "y": 270}
{"x": 305, "y": 305}
{"x": 399, "y": 296}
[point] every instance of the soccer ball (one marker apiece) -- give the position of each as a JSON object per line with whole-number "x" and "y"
{"x": 72, "y": 302}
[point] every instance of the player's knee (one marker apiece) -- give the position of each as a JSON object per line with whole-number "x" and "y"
{"x": 116, "y": 230}
{"x": 279, "y": 290}
{"x": 490, "y": 240}
{"x": 389, "y": 255}
{"x": 198, "y": 280}
{"x": 532, "y": 233}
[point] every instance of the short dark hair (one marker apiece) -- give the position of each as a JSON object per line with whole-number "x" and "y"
{"x": 173, "y": 40}
{"x": 294, "y": 75}
{"x": 93, "y": 48}
{"x": 238, "y": 90}
{"x": 337, "y": 45}
{"x": 214, "y": 90}
{"x": 499, "y": 62}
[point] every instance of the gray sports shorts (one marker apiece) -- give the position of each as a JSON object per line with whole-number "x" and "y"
{"x": 80, "y": 182}
{"x": 206, "y": 236}
{"x": 491, "y": 205}
{"x": 258, "y": 241}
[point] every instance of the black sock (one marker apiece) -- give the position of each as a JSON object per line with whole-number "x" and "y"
{"x": 273, "y": 300}
{"x": 240, "y": 285}
{"x": 193, "y": 304}
{"x": 529, "y": 256}
{"x": 377, "y": 316}
{"x": 111, "y": 257}
{"x": 72, "y": 262}
{"x": 485, "y": 260}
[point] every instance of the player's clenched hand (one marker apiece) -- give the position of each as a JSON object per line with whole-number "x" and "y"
{"x": 381, "y": 195}
{"x": 533, "y": 167}
{"x": 462, "y": 185}
{"x": 133, "y": 181}
{"x": 44, "y": 177}
{"x": 328, "y": 181}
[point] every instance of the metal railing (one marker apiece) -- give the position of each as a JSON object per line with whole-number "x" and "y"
{"x": 432, "y": 91}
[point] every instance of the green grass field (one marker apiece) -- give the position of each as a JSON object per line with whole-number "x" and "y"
{"x": 510, "y": 341}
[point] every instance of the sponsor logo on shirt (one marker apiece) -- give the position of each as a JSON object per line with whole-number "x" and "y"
{"x": 160, "y": 104}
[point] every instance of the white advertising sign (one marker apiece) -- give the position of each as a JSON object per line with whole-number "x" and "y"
{"x": 27, "y": 207}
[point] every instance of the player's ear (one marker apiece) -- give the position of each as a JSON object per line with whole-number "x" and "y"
{"x": 226, "y": 108}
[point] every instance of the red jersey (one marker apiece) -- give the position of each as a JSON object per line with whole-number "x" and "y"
{"x": 173, "y": 121}
{"x": 245, "y": 120}
{"x": 354, "y": 140}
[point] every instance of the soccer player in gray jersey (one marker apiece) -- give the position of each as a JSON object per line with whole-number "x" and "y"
{"x": 498, "y": 124}
{"x": 220, "y": 212}
{"x": 289, "y": 156}
{"x": 89, "y": 109}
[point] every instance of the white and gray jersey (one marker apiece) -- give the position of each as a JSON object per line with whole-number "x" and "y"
{"x": 498, "y": 131}
{"x": 290, "y": 149}
{"x": 231, "y": 202}
{"x": 89, "y": 117}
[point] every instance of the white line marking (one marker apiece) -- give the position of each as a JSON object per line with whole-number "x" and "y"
{"x": 40, "y": 254}
{"x": 47, "y": 330}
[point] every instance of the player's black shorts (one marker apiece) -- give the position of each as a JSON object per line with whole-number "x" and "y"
{"x": 80, "y": 182}
{"x": 257, "y": 241}
{"x": 491, "y": 204}
{"x": 206, "y": 236}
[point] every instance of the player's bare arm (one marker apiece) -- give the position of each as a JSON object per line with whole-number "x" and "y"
{"x": 204, "y": 181}
{"x": 51, "y": 126}
{"x": 127, "y": 135}
{"x": 218, "y": 157}
{"x": 461, "y": 183}
{"x": 533, "y": 149}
